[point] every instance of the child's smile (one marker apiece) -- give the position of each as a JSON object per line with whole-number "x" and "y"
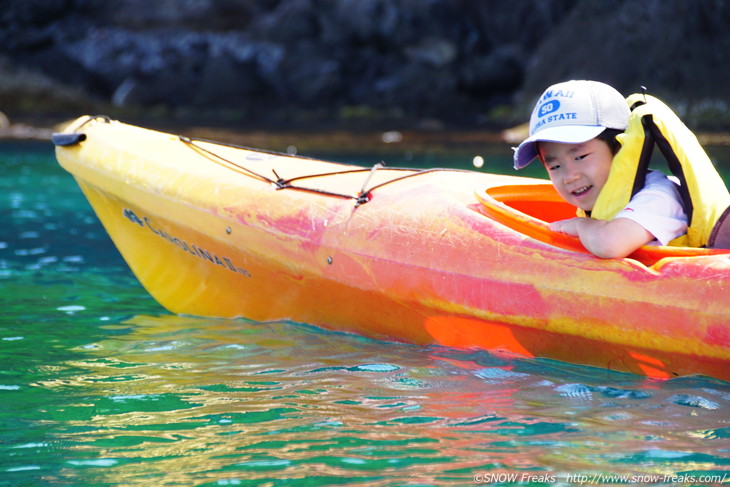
{"x": 578, "y": 171}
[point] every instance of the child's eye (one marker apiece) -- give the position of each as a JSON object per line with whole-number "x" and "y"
{"x": 580, "y": 158}
{"x": 554, "y": 167}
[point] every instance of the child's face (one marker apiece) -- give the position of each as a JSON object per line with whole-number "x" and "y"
{"x": 577, "y": 171}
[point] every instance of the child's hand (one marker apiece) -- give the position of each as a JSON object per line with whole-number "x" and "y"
{"x": 568, "y": 227}
{"x": 615, "y": 238}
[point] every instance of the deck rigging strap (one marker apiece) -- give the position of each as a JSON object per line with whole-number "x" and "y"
{"x": 362, "y": 197}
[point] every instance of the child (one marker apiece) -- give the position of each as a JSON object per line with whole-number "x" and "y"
{"x": 573, "y": 131}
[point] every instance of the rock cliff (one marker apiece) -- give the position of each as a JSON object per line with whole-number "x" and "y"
{"x": 449, "y": 62}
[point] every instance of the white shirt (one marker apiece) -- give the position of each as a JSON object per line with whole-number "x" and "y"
{"x": 658, "y": 208}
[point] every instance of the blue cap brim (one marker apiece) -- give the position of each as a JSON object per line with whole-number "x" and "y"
{"x": 526, "y": 152}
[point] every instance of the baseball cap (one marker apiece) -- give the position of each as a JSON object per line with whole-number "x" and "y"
{"x": 572, "y": 112}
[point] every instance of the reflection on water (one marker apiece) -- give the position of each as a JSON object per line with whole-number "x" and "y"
{"x": 175, "y": 399}
{"x": 100, "y": 386}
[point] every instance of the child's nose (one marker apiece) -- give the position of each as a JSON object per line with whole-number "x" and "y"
{"x": 571, "y": 172}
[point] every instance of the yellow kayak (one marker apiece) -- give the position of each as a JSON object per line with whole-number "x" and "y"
{"x": 456, "y": 258}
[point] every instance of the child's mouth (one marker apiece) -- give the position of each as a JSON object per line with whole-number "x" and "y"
{"x": 581, "y": 191}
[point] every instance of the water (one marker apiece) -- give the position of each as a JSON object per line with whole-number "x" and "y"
{"x": 101, "y": 386}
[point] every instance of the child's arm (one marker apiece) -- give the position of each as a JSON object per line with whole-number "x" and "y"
{"x": 605, "y": 239}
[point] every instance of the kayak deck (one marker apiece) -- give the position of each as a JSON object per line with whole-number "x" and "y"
{"x": 397, "y": 254}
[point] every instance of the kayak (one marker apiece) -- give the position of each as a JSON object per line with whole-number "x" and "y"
{"x": 455, "y": 258}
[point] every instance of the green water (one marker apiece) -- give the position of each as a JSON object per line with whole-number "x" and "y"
{"x": 101, "y": 386}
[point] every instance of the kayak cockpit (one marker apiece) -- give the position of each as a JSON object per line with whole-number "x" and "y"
{"x": 529, "y": 208}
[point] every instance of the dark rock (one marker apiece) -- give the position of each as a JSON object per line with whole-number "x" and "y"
{"x": 290, "y": 23}
{"x": 678, "y": 50}
{"x": 499, "y": 71}
{"x": 310, "y": 75}
{"x": 454, "y": 60}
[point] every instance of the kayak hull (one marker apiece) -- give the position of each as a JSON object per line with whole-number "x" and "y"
{"x": 418, "y": 260}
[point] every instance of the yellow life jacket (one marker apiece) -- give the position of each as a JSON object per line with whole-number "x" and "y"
{"x": 706, "y": 199}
